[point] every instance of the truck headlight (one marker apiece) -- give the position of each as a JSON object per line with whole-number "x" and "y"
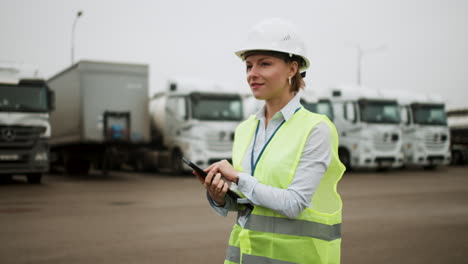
{"x": 41, "y": 156}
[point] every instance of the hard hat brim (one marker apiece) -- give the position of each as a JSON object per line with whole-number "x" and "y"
{"x": 303, "y": 68}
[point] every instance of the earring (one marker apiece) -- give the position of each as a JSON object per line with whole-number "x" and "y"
{"x": 289, "y": 79}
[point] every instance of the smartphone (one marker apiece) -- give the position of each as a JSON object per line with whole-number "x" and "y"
{"x": 195, "y": 167}
{"x": 232, "y": 194}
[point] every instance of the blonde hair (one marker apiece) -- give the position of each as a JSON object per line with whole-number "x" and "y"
{"x": 297, "y": 83}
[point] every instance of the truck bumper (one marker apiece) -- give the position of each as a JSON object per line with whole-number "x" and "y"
{"x": 428, "y": 160}
{"x": 25, "y": 161}
{"x": 380, "y": 161}
{"x": 204, "y": 160}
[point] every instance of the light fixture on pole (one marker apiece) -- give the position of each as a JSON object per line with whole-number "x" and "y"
{"x": 78, "y": 15}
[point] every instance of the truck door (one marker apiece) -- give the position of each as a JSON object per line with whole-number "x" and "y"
{"x": 176, "y": 116}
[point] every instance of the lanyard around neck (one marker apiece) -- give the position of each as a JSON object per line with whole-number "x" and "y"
{"x": 253, "y": 164}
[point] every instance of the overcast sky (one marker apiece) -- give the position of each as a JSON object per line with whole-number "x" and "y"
{"x": 426, "y": 41}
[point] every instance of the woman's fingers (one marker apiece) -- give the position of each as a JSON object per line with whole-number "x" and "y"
{"x": 215, "y": 182}
{"x": 210, "y": 167}
{"x": 221, "y": 183}
{"x": 220, "y": 192}
{"x": 209, "y": 178}
{"x": 225, "y": 188}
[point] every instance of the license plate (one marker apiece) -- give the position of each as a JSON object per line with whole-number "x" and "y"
{"x": 9, "y": 157}
{"x": 386, "y": 164}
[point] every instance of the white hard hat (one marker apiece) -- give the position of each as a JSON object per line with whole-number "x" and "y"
{"x": 275, "y": 34}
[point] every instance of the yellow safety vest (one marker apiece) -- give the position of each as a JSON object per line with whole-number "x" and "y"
{"x": 314, "y": 236}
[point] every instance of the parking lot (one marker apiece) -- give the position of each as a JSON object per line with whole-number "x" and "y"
{"x": 407, "y": 216}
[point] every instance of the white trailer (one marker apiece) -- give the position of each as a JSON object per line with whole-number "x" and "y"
{"x": 369, "y": 127}
{"x": 195, "y": 119}
{"x": 425, "y": 134}
{"x": 102, "y": 115}
{"x": 25, "y": 104}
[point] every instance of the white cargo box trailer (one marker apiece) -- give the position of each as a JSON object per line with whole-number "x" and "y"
{"x": 101, "y": 107}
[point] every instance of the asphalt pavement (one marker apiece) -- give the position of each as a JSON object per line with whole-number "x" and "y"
{"x": 407, "y": 216}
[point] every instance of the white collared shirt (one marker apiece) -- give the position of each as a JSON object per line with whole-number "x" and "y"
{"x": 312, "y": 166}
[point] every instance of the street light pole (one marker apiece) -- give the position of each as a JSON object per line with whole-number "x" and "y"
{"x": 360, "y": 54}
{"x": 78, "y": 15}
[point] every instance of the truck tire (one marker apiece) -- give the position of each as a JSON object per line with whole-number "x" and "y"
{"x": 176, "y": 163}
{"x": 6, "y": 178}
{"x": 457, "y": 158}
{"x": 430, "y": 167}
{"x": 345, "y": 158}
{"x": 76, "y": 165}
{"x": 34, "y": 178}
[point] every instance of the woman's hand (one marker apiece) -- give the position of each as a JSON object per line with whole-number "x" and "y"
{"x": 225, "y": 168}
{"x": 215, "y": 186}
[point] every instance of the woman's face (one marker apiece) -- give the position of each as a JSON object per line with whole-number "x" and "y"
{"x": 267, "y": 76}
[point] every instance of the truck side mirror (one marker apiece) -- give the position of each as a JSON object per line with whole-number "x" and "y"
{"x": 51, "y": 101}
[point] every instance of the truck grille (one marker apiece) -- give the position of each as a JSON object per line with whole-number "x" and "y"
{"x": 385, "y": 141}
{"x": 219, "y": 141}
{"x": 14, "y": 137}
{"x": 435, "y": 141}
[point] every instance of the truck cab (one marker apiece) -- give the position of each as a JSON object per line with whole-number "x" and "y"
{"x": 368, "y": 125}
{"x": 25, "y": 130}
{"x": 317, "y": 101}
{"x": 195, "y": 120}
{"x": 426, "y": 136}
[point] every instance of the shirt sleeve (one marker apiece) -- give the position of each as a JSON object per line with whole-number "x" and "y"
{"x": 312, "y": 166}
{"x": 230, "y": 205}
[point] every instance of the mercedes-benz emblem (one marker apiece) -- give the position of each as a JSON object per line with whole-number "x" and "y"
{"x": 222, "y": 134}
{"x": 8, "y": 134}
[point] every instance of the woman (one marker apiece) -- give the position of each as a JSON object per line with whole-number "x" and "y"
{"x": 285, "y": 162}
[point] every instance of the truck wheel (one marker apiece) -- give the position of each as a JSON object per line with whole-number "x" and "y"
{"x": 456, "y": 158}
{"x": 430, "y": 167}
{"x": 139, "y": 166}
{"x": 6, "y": 178}
{"x": 345, "y": 158}
{"x": 77, "y": 165}
{"x": 34, "y": 178}
{"x": 176, "y": 163}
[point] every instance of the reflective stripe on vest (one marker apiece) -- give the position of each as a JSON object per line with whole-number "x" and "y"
{"x": 293, "y": 227}
{"x": 251, "y": 259}
{"x": 233, "y": 254}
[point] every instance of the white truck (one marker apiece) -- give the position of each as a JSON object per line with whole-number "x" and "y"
{"x": 102, "y": 116}
{"x": 426, "y": 136}
{"x": 458, "y": 124}
{"x": 317, "y": 101}
{"x": 195, "y": 119}
{"x": 25, "y": 104}
{"x": 368, "y": 125}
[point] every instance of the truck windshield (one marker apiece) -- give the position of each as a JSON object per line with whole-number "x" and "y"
{"x": 385, "y": 112}
{"x": 429, "y": 114}
{"x": 23, "y": 98}
{"x": 216, "y": 107}
{"x": 322, "y": 107}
